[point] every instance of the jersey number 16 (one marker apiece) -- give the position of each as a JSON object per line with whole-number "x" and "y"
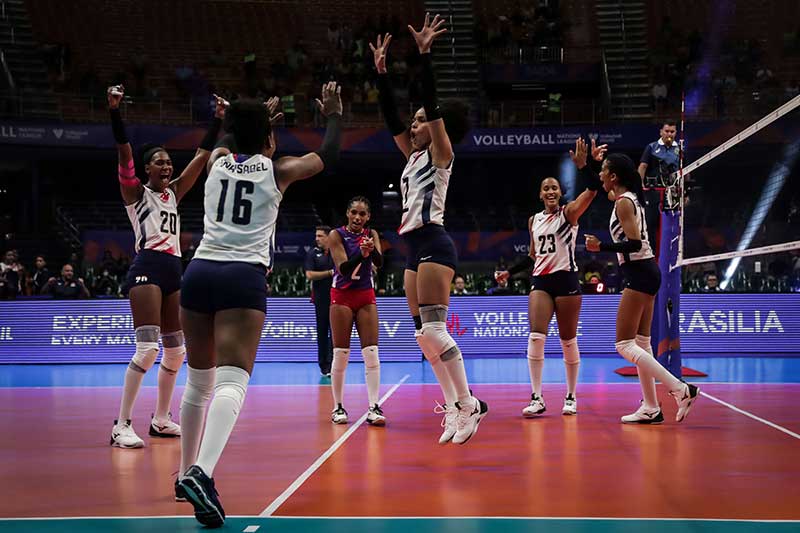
{"x": 242, "y": 207}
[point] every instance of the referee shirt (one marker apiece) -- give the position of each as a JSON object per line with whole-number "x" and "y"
{"x": 660, "y": 157}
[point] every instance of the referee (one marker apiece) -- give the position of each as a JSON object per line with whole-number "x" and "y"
{"x": 319, "y": 270}
{"x": 660, "y": 158}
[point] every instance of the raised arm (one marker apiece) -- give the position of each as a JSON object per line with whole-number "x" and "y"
{"x": 577, "y": 207}
{"x": 129, "y": 185}
{"x": 291, "y": 169}
{"x": 441, "y": 148}
{"x": 386, "y": 96}
{"x": 183, "y": 183}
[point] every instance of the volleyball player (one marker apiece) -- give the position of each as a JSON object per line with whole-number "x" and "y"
{"x": 355, "y": 249}
{"x": 431, "y": 260}
{"x": 556, "y": 287}
{"x": 154, "y": 279}
{"x": 631, "y": 243}
{"x": 223, "y": 301}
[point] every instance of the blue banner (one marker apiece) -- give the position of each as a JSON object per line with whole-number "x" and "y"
{"x": 101, "y": 331}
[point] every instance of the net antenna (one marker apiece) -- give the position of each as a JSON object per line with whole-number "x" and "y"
{"x": 679, "y": 176}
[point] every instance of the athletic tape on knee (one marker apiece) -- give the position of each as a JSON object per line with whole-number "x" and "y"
{"x": 174, "y": 351}
{"x": 572, "y": 356}
{"x": 370, "y": 354}
{"x": 644, "y": 343}
{"x": 536, "y": 346}
{"x": 173, "y": 339}
{"x": 199, "y": 386}
{"x": 232, "y": 384}
{"x": 436, "y": 342}
{"x": 146, "y": 348}
{"x": 433, "y": 313}
{"x": 341, "y": 356}
{"x": 630, "y": 351}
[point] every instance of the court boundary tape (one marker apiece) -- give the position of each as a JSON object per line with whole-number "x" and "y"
{"x": 361, "y": 517}
{"x": 750, "y": 415}
{"x": 302, "y": 478}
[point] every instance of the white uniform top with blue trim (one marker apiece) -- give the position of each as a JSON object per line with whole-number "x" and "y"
{"x": 241, "y": 210}
{"x": 156, "y": 223}
{"x": 617, "y": 235}
{"x": 553, "y": 239}
{"x": 424, "y": 190}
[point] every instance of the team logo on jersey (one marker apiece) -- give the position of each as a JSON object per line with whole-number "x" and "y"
{"x": 164, "y": 197}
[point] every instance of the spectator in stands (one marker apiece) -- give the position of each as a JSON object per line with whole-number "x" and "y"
{"x": 66, "y": 286}
{"x": 40, "y": 276}
{"x": 659, "y": 93}
{"x": 11, "y": 275}
{"x": 459, "y": 287}
{"x": 319, "y": 270}
{"x": 501, "y": 289}
{"x": 712, "y": 283}
{"x": 106, "y": 284}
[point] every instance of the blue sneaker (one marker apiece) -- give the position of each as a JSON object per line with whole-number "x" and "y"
{"x": 200, "y": 492}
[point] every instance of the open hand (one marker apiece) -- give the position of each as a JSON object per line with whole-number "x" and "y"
{"x": 579, "y": 154}
{"x": 331, "y": 103}
{"x": 429, "y": 32}
{"x": 598, "y": 152}
{"x": 272, "y": 105}
{"x": 379, "y": 52}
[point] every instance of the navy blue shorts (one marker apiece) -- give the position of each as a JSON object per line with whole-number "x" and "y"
{"x": 643, "y": 276}
{"x": 154, "y": 268}
{"x": 430, "y": 244}
{"x": 211, "y": 286}
{"x": 561, "y": 283}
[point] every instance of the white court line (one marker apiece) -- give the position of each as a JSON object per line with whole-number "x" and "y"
{"x": 251, "y": 529}
{"x": 291, "y": 489}
{"x": 751, "y": 415}
{"x": 361, "y": 517}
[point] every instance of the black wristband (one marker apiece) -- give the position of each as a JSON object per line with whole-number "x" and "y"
{"x": 118, "y": 127}
{"x": 429, "y": 89}
{"x": 526, "y": 264}
{"x": 331, "y": 143}
{"x": 347, "y": 267}
{"x": 211, "y": 135}
{"x": 377, "y": 258}
{"x": 624, "y": 247}
{"x": 388, "y": 106}
{"x": 590, "y": 179}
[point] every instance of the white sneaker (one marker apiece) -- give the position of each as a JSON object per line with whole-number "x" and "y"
{"x": 535, "y": 408}
{"x": 448, "y": 421}
{"x": 123, "y": 436}
{"x": 570, "y": 406}
{"x": 164, "y": 428}
{"x": 644, "y": 415}
{"x": 685, "y": 398}
{"x": 468, "y": 418}
{"x": 375, "y": 416}
{"x": 339, "y": 415}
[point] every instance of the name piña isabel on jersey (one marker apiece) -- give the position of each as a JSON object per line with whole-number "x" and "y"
{"x": 245, "y": 168}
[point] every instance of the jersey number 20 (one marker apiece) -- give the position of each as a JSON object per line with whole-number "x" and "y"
{"x": 242, "y": 207}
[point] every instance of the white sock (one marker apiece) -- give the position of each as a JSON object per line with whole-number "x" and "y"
{"x": 536, "y": 360}
{"x": 199, "y": 386}
{"x": 171, "y": 362}
{"x": 133, "y": 382}
{"x": 372, "y": 373}
{"x": 443, "y": 377}
{"x": 572, "y": 362}
{"x": 229, "y": 394}
{"x": 647, "y": 381}
{"x": 341, "y": 356}
{"x": 458, "y": 378}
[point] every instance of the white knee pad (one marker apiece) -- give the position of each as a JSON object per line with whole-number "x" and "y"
{"x": 436, "y": 342}
{"x": 630, "y": 351}
{"x": 232, "y": 384}
{"x": 536, "y": 346}
{"x": 174, "y": 351}
{"x": 370, "y": 354}
{"x": 644, "y": 343}
{"x": 146, "y": 348}
{"x": 572, "y": 356}
{"x": 199, "y": 386}
{"x": 341, "y": 356}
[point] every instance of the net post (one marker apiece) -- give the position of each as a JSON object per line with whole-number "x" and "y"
{"x": 665, "y": 330}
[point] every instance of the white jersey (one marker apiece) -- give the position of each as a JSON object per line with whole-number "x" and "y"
{"x": 553, "y": 239}
{"x": 155, "y": 222}
{"x": 424, "y": 190}
{"x": 617, "y": 235}
{"x": 241, "y": 210}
